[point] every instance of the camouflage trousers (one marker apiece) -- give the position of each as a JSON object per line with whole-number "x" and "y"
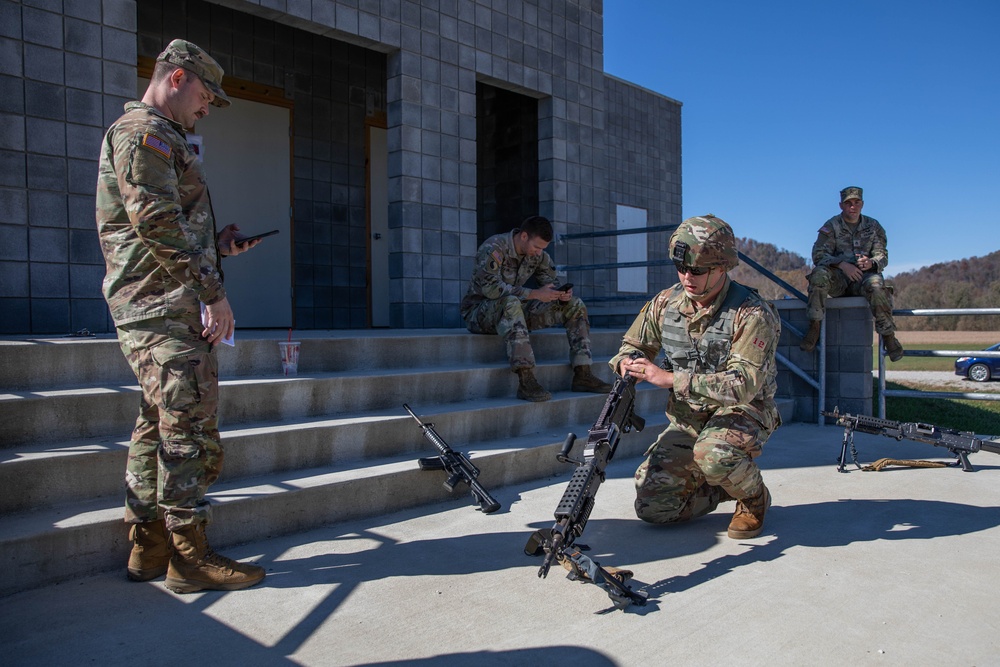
{"x": 175, "y": 452}
{"x": 827, "y": 281}
{"x": 512, "y": 319}
{"x": 686, "y": 475}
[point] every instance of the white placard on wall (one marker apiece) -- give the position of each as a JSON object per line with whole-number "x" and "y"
{"x": 632, "y": 248}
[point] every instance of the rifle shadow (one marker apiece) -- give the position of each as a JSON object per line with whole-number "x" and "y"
{"x": 354, "y": 559}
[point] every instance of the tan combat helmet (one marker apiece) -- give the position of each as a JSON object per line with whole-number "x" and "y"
{"x": 704, "y": 241}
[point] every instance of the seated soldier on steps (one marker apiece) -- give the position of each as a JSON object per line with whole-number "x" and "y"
{"x": 497, "y": 302}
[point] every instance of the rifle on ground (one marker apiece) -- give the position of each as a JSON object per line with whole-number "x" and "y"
{"x": 457, "y": 465}
{"x": 617, "y": 417}
{"x": 959, "y": 443}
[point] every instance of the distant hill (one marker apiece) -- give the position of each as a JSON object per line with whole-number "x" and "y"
{"x": 963, "y": 283}
{"x": 787, "y": 265}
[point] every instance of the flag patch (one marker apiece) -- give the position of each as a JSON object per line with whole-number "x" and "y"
{"x": 159, "y": 145}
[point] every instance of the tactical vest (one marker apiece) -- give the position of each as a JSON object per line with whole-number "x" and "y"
{"x": 710, "y": 353}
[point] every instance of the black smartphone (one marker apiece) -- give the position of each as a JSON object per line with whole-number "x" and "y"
{"x": 565, "y": 288}
{"x": 257, "y": 236}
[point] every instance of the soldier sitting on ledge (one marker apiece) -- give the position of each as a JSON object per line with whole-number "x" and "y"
{"x": 850, "y": 255}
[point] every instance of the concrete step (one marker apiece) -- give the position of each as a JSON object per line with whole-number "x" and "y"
{"x": 92, "y": 412}
{"x": 329, "y": 444}
{"x": 68, "y": 539}
{"x": 61, "y": 363}
{"x": 44, "y": 475}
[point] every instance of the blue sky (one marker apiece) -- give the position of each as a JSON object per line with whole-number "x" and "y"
{"x": 788, "y": 101}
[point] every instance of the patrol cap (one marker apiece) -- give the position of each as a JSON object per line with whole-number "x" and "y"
{"x": 851, "y": 192}
{"x": 193, "y": 58}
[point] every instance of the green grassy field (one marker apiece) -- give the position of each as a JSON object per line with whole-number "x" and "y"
{"x": 982, "y": 417}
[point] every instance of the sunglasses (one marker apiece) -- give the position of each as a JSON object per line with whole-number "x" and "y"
{"x": 694, "y": 271}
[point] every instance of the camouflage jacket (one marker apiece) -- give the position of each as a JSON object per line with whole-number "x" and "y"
{"x": 736, "y": 375}
{"x": 155, "y": 220}
{"x": 837, "y": 242}
{"x": 500, "y": 271}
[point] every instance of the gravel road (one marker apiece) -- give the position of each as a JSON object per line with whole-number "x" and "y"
{"x": 941, "y": 378}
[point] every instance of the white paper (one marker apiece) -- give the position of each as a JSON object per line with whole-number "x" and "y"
{"x": 231, "y": 341}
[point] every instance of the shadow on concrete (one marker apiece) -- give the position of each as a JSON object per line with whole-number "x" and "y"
{"x": 820, "y": 525}
{"x": 575, "y": 655}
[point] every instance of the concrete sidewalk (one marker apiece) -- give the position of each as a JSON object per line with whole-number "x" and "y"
{"x": 897, "y": 567}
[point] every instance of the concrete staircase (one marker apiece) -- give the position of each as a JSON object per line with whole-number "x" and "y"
{"x": 329, "y": 444}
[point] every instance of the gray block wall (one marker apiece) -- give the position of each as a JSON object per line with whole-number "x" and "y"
{"x": 66, "y": 69}
{"x": 850, "y": 333}
{"x": 63, "y": 68}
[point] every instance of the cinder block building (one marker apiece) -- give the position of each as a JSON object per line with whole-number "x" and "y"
{"x": 384, "y": 139}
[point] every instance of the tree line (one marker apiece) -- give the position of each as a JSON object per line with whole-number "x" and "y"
{"x": 965, "y": 283}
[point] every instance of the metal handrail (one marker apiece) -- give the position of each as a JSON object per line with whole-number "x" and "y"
{"x": 618, "y": 232}
{"x": 908, "y": 393}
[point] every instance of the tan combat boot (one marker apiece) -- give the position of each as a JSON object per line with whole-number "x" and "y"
{"x": 748, "y": 521}
{"x": 809, "y": 341}
{"x": 151, "y": 550}
{"x": 528, "y": 388}
{"x": 585, "y": 380}
{"x": 892, "y": 347}
{"x": 196, "y": 567}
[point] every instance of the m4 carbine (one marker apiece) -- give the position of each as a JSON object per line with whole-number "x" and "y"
{"x": 457, "y": 466}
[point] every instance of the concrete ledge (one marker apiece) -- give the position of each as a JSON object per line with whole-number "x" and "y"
{"x": 849, "y": 330}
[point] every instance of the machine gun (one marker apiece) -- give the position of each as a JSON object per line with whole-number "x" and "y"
{"x": 959, "y": 443}
{"x": 617, "y": 418}
{"x": 457, "y": 465}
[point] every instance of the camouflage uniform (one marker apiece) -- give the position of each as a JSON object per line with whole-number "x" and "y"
{"x": 838, "y": 242}
{"x": 158, "y": 236}
{"x": 721, "y": 408}
{"x": 497, "y": 303}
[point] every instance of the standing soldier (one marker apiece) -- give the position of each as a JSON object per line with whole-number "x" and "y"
{"x": 162, "y": 252}
{"x": 497, "y": 302}
{"x": 849, "y": 255}
{"x": 718, "y": 338}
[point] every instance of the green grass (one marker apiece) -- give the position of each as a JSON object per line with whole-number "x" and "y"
{"x": 928, "y": 363}
{"x": 982, "y": 417}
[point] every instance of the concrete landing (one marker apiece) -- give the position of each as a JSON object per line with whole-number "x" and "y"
{"x": 890, "y": 568}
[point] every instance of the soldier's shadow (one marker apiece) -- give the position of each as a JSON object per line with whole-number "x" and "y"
{"x": 818, "y": 525}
